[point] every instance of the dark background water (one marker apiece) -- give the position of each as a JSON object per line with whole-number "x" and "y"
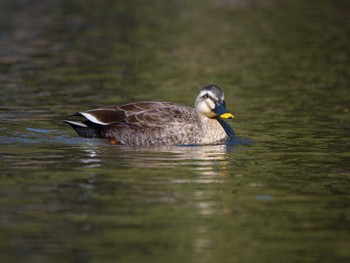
{"x": 284, "y": 66}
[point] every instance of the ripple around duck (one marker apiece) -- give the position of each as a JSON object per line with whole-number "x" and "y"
{"x": 36, "y": 135}
{"x": 97, "y": 152}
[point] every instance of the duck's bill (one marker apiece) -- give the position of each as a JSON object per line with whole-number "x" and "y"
{"x": 220, "y": 110}
{"x": 227, "y": 115}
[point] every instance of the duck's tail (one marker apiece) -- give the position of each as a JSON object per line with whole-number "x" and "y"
{"x": 85, "y": 129}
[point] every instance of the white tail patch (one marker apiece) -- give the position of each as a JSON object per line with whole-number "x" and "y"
{"x": 92, "y": 118}
{"x": 77, "y": 123}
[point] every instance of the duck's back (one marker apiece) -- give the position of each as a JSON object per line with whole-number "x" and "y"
{"x": 142, "y": 123}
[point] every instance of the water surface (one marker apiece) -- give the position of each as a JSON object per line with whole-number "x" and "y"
{"x": 284, "y": 67}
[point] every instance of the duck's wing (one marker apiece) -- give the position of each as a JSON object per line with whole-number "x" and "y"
{"x": 146, "y": 111}
{"x": 161, "y": 117}
{"x": 143, "y": 105}
{"x": 130, "y": 119}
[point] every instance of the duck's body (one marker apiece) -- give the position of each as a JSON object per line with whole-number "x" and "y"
{"x": 160, "y": 123}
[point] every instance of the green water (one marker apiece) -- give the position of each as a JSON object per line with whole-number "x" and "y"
{"x": 284, "y": 67}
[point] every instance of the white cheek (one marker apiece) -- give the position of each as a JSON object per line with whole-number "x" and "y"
{"x": 204, "y": 108}
{"x": 210, "y": 104}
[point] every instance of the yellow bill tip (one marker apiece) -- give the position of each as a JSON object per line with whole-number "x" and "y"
{"x": 227, "y": 116}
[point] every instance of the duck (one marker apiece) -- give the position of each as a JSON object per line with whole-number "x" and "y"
{"x": 160, "y": 123}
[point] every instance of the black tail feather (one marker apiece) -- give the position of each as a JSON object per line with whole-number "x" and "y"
{"x": 85, "y": 129}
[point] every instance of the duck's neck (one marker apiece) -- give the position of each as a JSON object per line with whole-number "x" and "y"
{"x": 214, "y": 130}
{"x": 229, "y": 131}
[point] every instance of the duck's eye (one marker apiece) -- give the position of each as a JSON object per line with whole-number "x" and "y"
{"x": 206, "y": 96}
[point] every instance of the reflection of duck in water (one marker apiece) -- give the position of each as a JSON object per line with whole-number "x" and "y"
{"x": 203, "y": 160}
{"x": 160, "y": 123}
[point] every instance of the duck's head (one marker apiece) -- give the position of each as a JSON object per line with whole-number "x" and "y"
{"x": 210, "y": 103}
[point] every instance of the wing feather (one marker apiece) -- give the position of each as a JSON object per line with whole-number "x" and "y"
{"x": 160, "y": 117}
{"x": 144, "y": 105}
{"x": 104, "y": 116}
{"x": 141, "y": 114}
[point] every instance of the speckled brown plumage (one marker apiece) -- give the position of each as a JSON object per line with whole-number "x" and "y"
{"x": 156, "y": 123}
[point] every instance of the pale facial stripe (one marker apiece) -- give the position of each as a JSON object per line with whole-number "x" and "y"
{"x": 211, "y": 94}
